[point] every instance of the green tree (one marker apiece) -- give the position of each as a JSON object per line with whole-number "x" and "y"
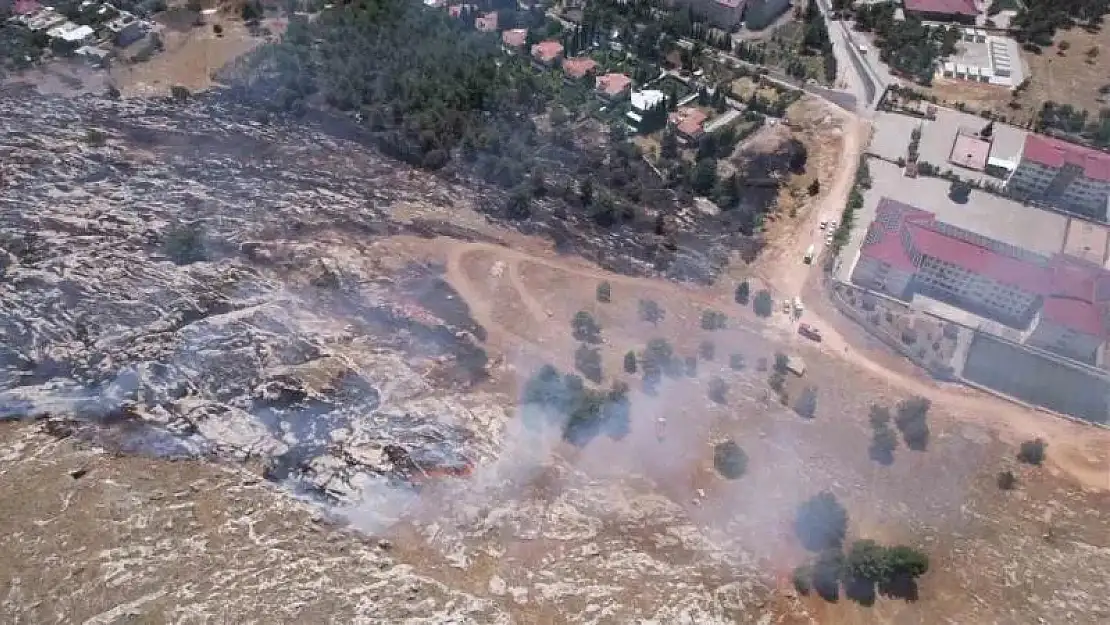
{"x": 736, "y": 362}
{"x": 763, "y": 304}
{"x": 743, "y": 291}
{"x": 604, "y": 292}
{"x": 650, "y": 311}
{"x": 630, "y": 362}
{"x": 704, "y": 176}
{"x": 814, "y": 187}
{"x": 782, "y": 363}
{"x": 911, "y": 421}
{"x": 730, "y": 460}
{"x": 587, "y": 360}
{"x": 586, "y": 329}
{"x": 806, "y": 405}
{"x": 821, "y": 522}
{"x": 903, "y": 561}
{"x": 713, "y": 320}
{"x": 803, "y": 579}
{"x": 827, "y": 571}
{"x": 1032, "y": 452}
{"x": 883, "y": 439}
{"x": 691, "y": 366}
{"x": 867, "y": 560}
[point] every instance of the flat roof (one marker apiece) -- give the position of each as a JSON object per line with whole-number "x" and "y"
{"x": 1086, "y": 241}
{"x": 970, "y": 151}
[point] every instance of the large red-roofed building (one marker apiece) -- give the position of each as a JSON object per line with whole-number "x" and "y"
{"x": 1062, "y": 301}
{"x": 962, "y": 11}
{"x": 1065, "y": 175}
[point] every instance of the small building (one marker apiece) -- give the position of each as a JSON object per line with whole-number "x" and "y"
{"x": 579, "y": 67}
{"x": 126, "y": 29}
{"x": 44, "y": 19}
{"x": 72, "y": 33}
{"x": 514, "y": 40}
{"x": 486, "y": 23}
{"x": 547, "y": 53}
{"x": 643, "y": 106}
{"x": 689, "y": 122}
{"x": 614, "y": 86}
{"x": 725, "y": 14}
{"x": 970, "y": 150}
{"x": 959, "y": 11}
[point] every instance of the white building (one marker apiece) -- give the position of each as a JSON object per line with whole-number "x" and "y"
{"x": 642, "y": 102}
{"x": 72, "y": 33}
{"x": 1068, "y": 176}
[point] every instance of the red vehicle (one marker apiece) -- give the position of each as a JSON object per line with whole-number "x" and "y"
{"x": 809, "y": 332}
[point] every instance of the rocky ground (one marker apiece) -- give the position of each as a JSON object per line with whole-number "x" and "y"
{"x": 208, "y": 441}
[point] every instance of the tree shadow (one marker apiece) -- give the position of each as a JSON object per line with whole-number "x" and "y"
{"x": 901, "y": 587}
{"x": 862, "y": 591}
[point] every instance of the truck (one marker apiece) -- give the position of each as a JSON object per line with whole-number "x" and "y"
{"x": 808, "y": 258}
{"x": 798, "y": 308}
{"x": 809, "y": 332}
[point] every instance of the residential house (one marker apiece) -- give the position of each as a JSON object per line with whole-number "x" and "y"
{"x": 614, "y": 86}
{"x": 647, "y": 110}
{"x": 689, "y": 122}
{"x": 579, "y": 67}
{"x": 486, "y": 23}
{"x": 43, "y": 19}
{"x": 126, "y": 29}
{"x": 960, "y": 11}
{"x": 547, "y": 53}
{"x": 514, "y": 40}
{"x": 1065, "y": 175}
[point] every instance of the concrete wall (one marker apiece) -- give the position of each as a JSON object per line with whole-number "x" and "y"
{"x": 1065, "y": 341}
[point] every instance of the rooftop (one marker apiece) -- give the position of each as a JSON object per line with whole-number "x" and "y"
{"x": 950, "y": 7}
{"x": 647, "y": 98}
{"x": 1069, "y": 287}
{"x": 1054, "y": 153}
{"x": 613, "y": 84}
{"x": 579, "y": 66}
{"x": 970, "y": 151}
{"x": 486, "y": 23}
{"x": 688, "y": 120}
{"x": 547, "y": 51}
{"x": 514, "y": 38}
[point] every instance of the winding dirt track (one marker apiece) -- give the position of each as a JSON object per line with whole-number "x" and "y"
{"x": 1077, "y": 450}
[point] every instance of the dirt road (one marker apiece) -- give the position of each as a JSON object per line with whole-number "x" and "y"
{"x": 1078, "y": 451}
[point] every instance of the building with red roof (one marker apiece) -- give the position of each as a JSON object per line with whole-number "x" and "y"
{"x": 614, "y": 85}
{"x": 689, "y": 122}
{"x": 548, "y": 52}
{"x": 486, "y": 23}
{"x": 1069, "y": 176}
{"x": 579, "y": 67}
{"x": 962, "y": 11}
{"x": 1062, "y": 301}
{"x": 514, "y": 39}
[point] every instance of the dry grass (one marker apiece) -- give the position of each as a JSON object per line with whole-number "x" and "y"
{"x": 190, "y": 58}
{"x": 1066, "y": 76}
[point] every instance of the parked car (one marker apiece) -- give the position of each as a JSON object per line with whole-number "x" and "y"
{"x": 809, "y": 332}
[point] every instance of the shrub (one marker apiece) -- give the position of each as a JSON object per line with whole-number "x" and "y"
{"x": 806, "y": 405}
{"x": 743, "y": 291}
{"x": 692, "y": 366}
{"x": 707, "y": 350}
{"x": 803, "y": 579}
{"x": 1032, "y": 452}
{"x": 179, "y": 93}
{"x": 604, "y": 292}
{"x": 827, "y": 571}
{"x": 630, "y": 362}
{"x": 1007, "y": 480}
{"x": 650, "y": 311}
{"x": 184, "y": 244}
{"x": 713, "y": 320}
{"x": 718, "y": 391}
{"x": 736, "y": 362}
{"x": 821, "y": 522}
{"x": 730, "y": 460}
